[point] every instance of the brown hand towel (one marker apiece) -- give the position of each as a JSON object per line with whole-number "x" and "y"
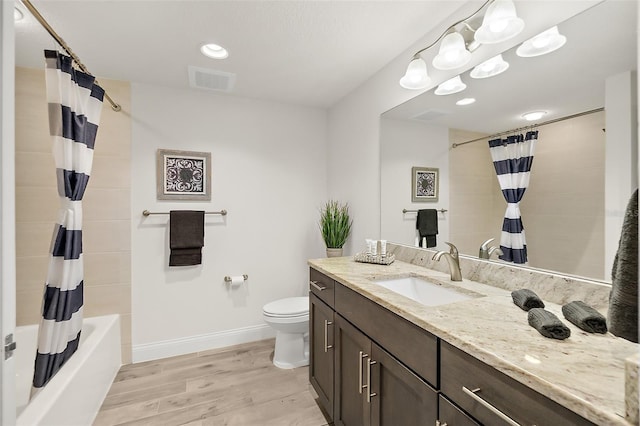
{"x": 186, "y": 237}
{"x": 427, "y": 226}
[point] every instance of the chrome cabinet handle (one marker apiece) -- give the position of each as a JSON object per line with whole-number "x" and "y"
{"x": 360, "y": 384}
{"x": 315, "y": 285}
{"x": 327, "y": 346}
{"x": 369, "y": 393}
{"x": 487, "y": 405}
{"x": 441, "y": 424}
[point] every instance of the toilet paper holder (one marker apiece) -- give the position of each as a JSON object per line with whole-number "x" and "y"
{"x": 227, "y": 278}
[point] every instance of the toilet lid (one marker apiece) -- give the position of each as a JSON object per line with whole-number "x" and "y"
{"x": 290, "y": 306}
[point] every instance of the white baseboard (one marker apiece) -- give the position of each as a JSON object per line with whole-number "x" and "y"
{"x": 203, "y": 342}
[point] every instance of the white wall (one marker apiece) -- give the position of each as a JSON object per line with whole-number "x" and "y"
{"x": 405, "y": 144}
{"x": 268, "y": 172}
{"x": 354, "y": 146}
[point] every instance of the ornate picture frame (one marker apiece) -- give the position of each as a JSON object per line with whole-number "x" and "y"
{"x": 183, "y": 175}
{"x": 424, "y": 184}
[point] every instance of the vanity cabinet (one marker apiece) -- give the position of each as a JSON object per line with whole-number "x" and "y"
{"x": 373, "y": 388}
{"x": 493, "y": 398}
{"x": 370, "y": 366}
{"x": 321, "y": 358}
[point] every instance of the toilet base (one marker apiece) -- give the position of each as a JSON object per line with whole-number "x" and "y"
{"x": 291, "y": 350}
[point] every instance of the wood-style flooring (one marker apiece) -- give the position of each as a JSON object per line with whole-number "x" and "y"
{"x": 236, "y": 386}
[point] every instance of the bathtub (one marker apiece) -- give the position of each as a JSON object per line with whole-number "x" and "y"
{"x": 74, "y": 395}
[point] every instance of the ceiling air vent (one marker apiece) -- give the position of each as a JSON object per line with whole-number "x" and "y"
{"x": 430, "y": 114}
{"x": 207, "y": 79}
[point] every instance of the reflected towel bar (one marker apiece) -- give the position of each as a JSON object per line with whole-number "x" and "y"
{"x": 147, "y": 213}
{"x": 416, "y": 211}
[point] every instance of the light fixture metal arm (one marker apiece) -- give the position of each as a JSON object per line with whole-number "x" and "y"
{"x": 453, "y": 26}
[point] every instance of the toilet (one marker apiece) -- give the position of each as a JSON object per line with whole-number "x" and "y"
{"x": 290, "y": 318}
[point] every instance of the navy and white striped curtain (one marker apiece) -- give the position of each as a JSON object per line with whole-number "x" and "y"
{"x": 75, "y": 105}
{"x": 512, "y": 159}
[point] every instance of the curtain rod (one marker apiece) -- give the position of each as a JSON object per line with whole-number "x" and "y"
{"x": 555, "y": 120}
{"x": 65, "y": 46}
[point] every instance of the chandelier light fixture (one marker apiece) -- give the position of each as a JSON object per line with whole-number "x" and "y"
{"x": 416, "y": 76}
{"x": 545, "y": 42}
{"x": 459, "y": 40}
{"x": 500, "y": 23}
{"x": 490, "y": 67}
{"x": 453, "y": 53}
{"x": 451, "y": 86}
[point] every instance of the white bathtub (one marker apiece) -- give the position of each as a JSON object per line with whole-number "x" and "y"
{"x": 74, "y": 395}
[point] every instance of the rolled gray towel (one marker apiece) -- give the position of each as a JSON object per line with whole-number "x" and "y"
{"x": 526, "y": 299}
{"x": 548, "y": 324}
{"x": 585, "y": 317}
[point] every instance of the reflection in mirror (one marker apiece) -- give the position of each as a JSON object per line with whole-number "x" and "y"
{"x": 584, "y": 168}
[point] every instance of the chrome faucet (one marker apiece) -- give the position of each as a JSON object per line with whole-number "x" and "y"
{"x": 486, "y": 251}
{"x": 452, "y": 259}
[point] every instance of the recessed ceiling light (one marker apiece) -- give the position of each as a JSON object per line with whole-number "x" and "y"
{"x": 17, "y": 14}
{"x": 534, "y": 115}
{"x": 466, "y": 101}
{"x": 214, "y": 51}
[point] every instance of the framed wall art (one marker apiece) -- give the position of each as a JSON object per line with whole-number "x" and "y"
{"x": 424, "y": 184}
{"x": 183, "y": 175}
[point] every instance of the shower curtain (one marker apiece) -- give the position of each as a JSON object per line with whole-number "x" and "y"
{"x": 512, "y": 159}
{"x": 75, "y": 105}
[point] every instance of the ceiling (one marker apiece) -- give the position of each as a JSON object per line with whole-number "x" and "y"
{"x": 601, "y": 42}
{"x": 309, "y": 53}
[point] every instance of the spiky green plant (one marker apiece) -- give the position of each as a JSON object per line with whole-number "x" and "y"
{"x": 335, "y": 223}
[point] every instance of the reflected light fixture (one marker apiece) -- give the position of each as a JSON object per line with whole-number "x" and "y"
{"x": 453, "y": 52}
{"x": 17, "y": 14}
{"x": 545, "y": 42}
{"x": 490, "y": 67}
{"x": 214, "y": 51}
{"x": 534, "y": 115}
{"x": 416, "y": 76}
{"x": 451, "y": 86}
{"x": 466, "y": 101}
{"x": 500, "y": 23}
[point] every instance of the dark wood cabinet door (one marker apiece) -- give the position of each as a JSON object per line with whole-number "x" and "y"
{"x": 399, "y": 397}
{"x": 353, "y": 349}
{"x": 321, "y": 359}
{"x": 450, "y": 415}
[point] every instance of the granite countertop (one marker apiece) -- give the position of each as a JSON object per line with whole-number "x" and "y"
{"x": 585, "y": 373}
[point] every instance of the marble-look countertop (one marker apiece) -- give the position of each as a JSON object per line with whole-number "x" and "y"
{"x": 585, "y": 373}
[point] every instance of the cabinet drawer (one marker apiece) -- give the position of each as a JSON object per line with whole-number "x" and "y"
{"x": 460, "y": 371}
{"x": 413, "y": 346}
{"x": 322, "y": 286}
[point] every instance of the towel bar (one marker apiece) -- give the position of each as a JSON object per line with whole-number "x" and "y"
{"x": 147, "y": 213}
{"x": 415, "y": 211}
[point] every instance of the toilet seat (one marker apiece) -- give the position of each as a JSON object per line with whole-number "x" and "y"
{"x": 290, "y": 307}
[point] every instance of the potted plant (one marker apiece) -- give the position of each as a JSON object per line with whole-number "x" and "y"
{"x": 335, "y": 225}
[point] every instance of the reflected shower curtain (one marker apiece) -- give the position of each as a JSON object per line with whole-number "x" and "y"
{"x": 75, "y": 105}
{"x": 512, "y": 159}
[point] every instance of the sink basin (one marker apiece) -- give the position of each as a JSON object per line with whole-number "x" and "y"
{"x": 422, "y": 291}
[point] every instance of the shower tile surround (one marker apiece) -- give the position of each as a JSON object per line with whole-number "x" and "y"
{"x": 585, "y": 373}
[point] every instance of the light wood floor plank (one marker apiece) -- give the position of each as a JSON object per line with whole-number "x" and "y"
{"x": 238, "y": 386}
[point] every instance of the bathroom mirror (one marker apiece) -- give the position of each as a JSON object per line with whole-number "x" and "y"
{"x": 563, "y": 209}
